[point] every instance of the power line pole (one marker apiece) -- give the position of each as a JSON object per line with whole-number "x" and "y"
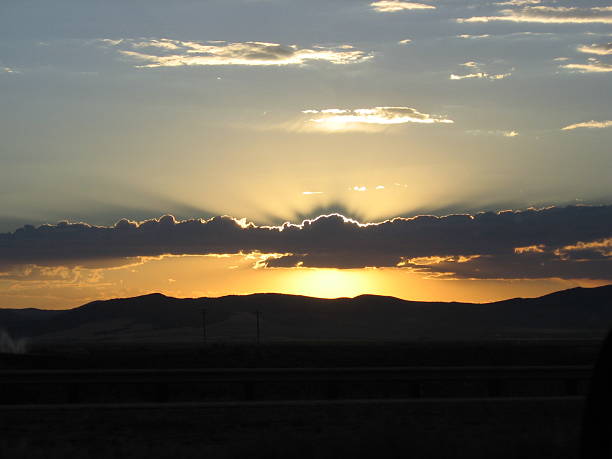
{"x": 204, "y": 337}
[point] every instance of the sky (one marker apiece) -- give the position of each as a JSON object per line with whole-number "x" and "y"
{"x": 443, "y": 150}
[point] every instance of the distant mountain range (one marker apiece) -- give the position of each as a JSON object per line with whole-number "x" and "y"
{"x": 574, "y": 313}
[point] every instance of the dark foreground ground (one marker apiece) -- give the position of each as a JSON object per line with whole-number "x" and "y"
{"x": 510, "y": 427}
{"x": 424, "y": 429}
{"x": 307, "y": 354}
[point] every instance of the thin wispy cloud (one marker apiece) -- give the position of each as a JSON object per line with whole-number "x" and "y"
{"x": 498, "y": 132}
{"x": 589, "y": 125}
{"x": 393, "y": 6}
{"x": 163, "y": 52}
{"x": 505, "y": 36}
{"x": 550, "y": 15}
{"x": 347, "y": 119}
{"x": 467, "y": 36}
{"x": 592, "y": 66}
{"x": 519, "y": 2}
{"x": 602, "y": 247}
{"x": 480, "y": 75}
{"x": 540, "y": 248}
{"x": 477, "y": 72}
{"x": 601, "y": 49}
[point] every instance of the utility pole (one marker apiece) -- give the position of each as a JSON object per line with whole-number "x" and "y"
{"x": 258, "y": 336}
{"x": 204, "y": 337}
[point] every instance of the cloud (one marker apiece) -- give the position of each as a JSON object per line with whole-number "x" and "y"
{"x": 586, "y": 250}
{"x": 602, "y": 49}
{"x": 62, "y": 274}
{"x": 514, "y": 266}
{"x": 570, "y": 242}
{"x": 152, "y": 53}
{"x": 589, "y": 124}
{"x": 593, "y": 66}
{"x": 392, "y": 6}
{"x": 477, "y": 72}
{"x": 530, "y": 249}
{"x": 550, "y": 15}
{"x": 519, "y": 2}
{"x": 346, "y": 119}
{"x": 473, "y": 37}
{"x": 513, "y": 35}
{"x": 508, "y": 133}
{"x": 481, "y": 75}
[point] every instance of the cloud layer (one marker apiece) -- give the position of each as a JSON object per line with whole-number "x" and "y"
{"x": 570, "y": 242}
{"x": 151, "y": 53}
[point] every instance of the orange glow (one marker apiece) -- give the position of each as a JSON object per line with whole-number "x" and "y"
{"x": 214, "y": 276}
{"x": 330, "y": 283}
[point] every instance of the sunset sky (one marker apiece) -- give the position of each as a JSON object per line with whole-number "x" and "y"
{"x": 438, "y": 150}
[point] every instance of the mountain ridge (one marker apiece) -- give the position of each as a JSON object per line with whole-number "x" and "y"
{"x": 582, "y": 311}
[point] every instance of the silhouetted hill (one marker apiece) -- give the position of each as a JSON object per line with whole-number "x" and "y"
{"x": 18, "y": 318}
{"x": 578, "y": 312}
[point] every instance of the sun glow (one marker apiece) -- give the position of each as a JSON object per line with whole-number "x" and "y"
{"x": 331, "y": 283}
{"x": 213, "y": 276}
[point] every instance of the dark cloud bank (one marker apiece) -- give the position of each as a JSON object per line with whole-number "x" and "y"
{"x": 566, "y": 242}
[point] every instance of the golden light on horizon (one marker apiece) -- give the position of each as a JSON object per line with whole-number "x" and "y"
{"x": 195, "y": 276}
{"x": 330, "y": 283}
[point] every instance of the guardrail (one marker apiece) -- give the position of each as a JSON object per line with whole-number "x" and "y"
{"x": 332, "y": 383}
